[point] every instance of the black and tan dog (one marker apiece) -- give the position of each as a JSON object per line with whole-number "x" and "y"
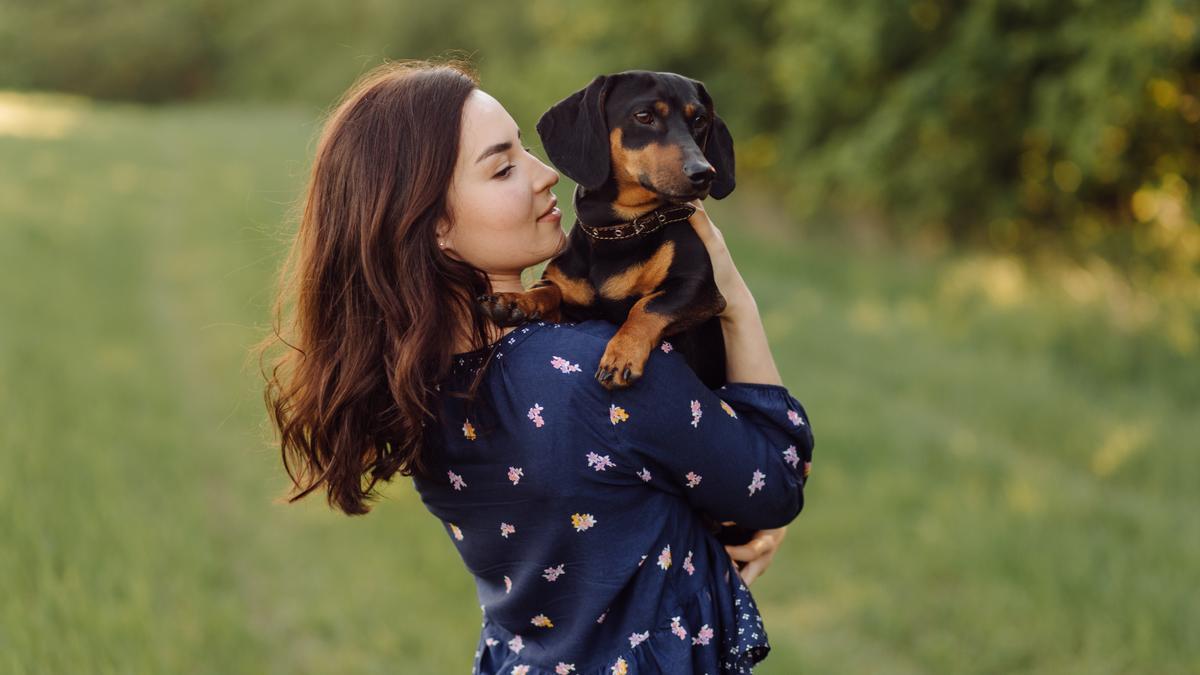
{"x": 639, "y": 145}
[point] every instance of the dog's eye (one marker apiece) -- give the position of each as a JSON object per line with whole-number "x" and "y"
{"x": 644, "y": 117}
{"x": 699, "y": 122}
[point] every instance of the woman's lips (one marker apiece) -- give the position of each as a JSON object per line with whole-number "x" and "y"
{"x": 552, "y": 214}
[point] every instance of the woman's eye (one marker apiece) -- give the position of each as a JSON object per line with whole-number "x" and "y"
{"x": 644, "y": 117}
{"x": 505, "y": 172}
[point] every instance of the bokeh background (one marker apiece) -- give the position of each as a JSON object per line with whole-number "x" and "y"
{"x": 971, "y": 227}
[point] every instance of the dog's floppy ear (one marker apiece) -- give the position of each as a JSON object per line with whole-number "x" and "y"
{"x": 718, "y": 149}
{"x": 574, "y": 134}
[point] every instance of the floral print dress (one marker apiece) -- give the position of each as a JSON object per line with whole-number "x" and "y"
{"x": 577, "y": 509}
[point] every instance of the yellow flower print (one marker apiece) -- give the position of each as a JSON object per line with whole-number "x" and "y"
{"x": 457, "y": 532}
{"x": 468, "y": 430}
{"x": 542, "y": 621}
{"x": 617, "y": 414}
{"x": 620, "y": 667}
{"x": 726, "y": 408}
{"x": 582, "y": 521}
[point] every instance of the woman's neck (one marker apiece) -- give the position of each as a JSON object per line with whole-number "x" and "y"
{"x": 501, "y": 284}
{"x": 464, "y": 344}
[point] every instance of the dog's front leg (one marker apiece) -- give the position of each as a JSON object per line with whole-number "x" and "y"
{"x": 542, "y": 301}
{"x": 627, "y": 351}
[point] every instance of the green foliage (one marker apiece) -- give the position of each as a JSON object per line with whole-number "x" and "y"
{"x": 1015, "y": 122}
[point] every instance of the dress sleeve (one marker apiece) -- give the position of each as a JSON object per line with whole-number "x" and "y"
{"x": 741, "y": 452}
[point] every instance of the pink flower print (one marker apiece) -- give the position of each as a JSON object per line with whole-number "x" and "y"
{"x": 582, "y": 521}
{"x": 620, "y": 667}
{"x": 457, "y": 532}
{"x": 507, "y": 584}
{"x": 757, "y": 482}
{"x": 687, "y": 564}
{"x": 553, "y": 573}
{"x": 642, "y": 561}
{"x": 677, "y": 629}
{"x": 520, "y": 670}
{"x": 542, "y": 621}
{"x": 515, "y": 473}
{"x": 807, "y": 468}
{"x": 506, "y": 529}
{"x": 535, "y": 414}
{"x": 664, "y": 558}
{"x": 644, "y": 474}
{"x": 563, "y": 668}
{"x": 795, "y": 418}
{"x": 491, "y": 642}
{"x": 516, "y": 644}
{"x": 468, "y": 430}
{"x": 703, "y": 636}
{"x": 791, "y": 456}
{"x": 636, "y": 639}
{"x": 456, "y": 480}
{"x": 599, "y": 462}
{"x": 617, "y": 414}
{"x": 726, "y": 408}
{"x": 696, "y": 414}
{"x": 564, "y": 365}
{"x": 600, "y": 619}
{"x": 666, "y": 347}
{"x": 693, "y": 479}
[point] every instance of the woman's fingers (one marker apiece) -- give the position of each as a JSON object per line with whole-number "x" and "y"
{"x": 754, "y": 557}
{"x": 753, "y": 570}
{"x": 751, "y": 550}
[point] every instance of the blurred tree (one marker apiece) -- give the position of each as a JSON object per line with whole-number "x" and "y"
{"x": 1014, "y": 122}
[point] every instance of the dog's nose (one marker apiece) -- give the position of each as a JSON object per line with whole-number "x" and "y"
{"x": 700, "y": 173}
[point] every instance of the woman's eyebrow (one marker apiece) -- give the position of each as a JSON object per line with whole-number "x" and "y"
{"x": 499, "y": 147}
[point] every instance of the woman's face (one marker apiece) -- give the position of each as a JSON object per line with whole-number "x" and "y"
{"x": 497, "y": 197}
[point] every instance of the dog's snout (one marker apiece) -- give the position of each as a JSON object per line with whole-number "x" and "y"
{"x": 700, "y": 173}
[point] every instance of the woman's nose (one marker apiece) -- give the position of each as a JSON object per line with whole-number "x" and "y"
{"x": 549, "y": 177}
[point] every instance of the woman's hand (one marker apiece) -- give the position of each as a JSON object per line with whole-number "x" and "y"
{"x": 729, "y": 280}
{"x": 753, "y": 557}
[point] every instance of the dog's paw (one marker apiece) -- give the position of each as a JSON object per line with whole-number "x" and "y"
{"x": 508, "y": 309}
{"x": 622, "y": 363}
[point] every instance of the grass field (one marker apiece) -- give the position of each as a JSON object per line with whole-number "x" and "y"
{"x": 1005, "y": 477}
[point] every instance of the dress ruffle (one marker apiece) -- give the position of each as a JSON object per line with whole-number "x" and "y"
{"x": 718, "y": 630}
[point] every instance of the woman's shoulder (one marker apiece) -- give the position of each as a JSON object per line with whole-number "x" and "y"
{"x": 566, "y": 347}
{"x": 534, "y": 345}
{"x": 582, "y": 338}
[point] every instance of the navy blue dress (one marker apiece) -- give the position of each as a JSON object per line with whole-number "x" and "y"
{"x": 576, "y": 508}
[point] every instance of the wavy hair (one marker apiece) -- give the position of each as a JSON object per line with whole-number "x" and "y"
{"x": 366, "y": 300}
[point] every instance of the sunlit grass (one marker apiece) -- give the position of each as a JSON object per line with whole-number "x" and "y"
{"x": 1003, "y": 480}
{"x": 39, "y": 115}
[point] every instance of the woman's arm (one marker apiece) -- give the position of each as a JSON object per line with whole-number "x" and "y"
{"x": 747, "y": 355}
{"x": 747, "y": 359}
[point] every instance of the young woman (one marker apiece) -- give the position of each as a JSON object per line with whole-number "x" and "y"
{"x": 578, "y": 510}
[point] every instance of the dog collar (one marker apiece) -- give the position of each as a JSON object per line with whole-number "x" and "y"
{"x": 643, "y": 224}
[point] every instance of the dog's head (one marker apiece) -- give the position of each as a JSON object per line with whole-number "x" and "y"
{"x": 657, "y": 135}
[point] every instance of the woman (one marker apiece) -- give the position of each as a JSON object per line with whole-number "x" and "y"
{"x": 578, "y": 510}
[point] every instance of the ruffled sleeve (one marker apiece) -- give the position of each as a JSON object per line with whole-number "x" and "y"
{"x": 741, "y": 452}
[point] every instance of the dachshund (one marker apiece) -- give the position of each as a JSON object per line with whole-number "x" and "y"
{"x": 639, "y": 145}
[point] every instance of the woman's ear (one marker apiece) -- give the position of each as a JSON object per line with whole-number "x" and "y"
{"x": 718, "y": 148}
{"x": 574, "y": 133}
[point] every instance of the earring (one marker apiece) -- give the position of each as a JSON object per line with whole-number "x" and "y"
{"x": 441, "y": 244}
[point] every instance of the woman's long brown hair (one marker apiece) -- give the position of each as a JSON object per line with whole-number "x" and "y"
{"x": 367, "y": 303}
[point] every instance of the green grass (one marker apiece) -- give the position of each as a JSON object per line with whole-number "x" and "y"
{"x": 1003, "y": 482}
